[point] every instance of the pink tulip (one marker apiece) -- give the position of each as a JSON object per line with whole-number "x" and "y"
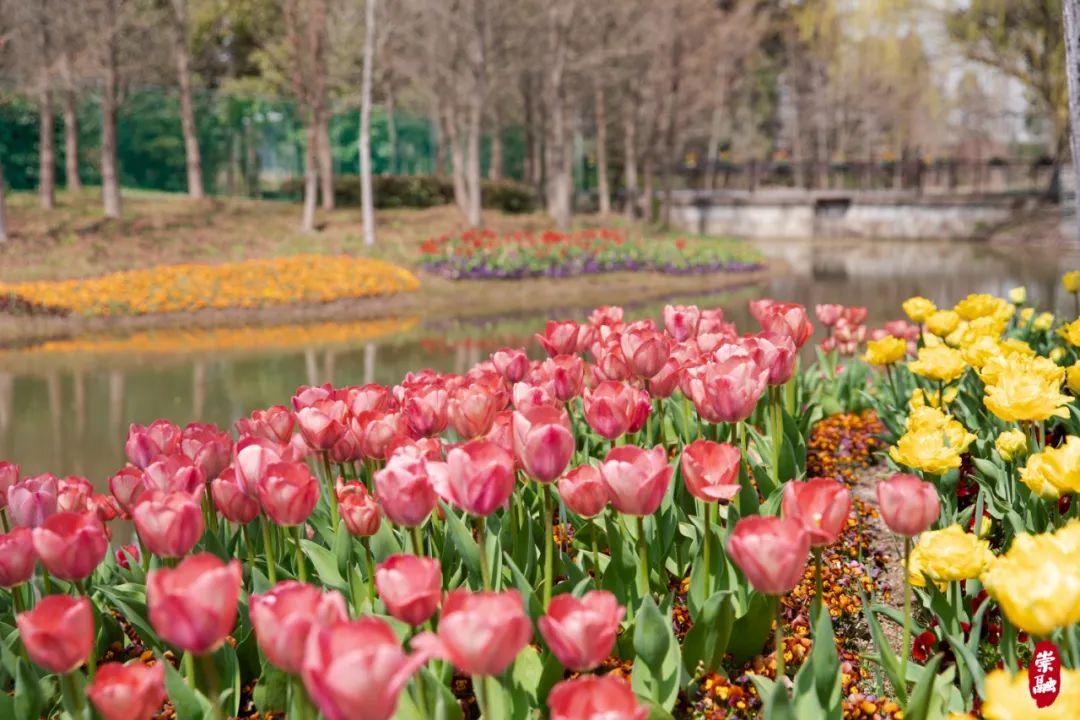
{"x": 128, "y": 692}
{"x": 308, "y": 395}
{"x": 773, "y": 352}
{"x": 253, "y": 456}
{"x": 231, "y": 498}
{"x": 787, "y": 319}
{"x": 193, "y": 606}
{"x": 480, "y": 633}
{"x": 613, "y": 408}
{"x": 855, "y": 314}
{"x": 526, "y": 396}
{"x": 559, "y": 338}
{"x": 33, "y": 500}
{"x": 543, "y": 442}
{"x": 725, "y": 391}
{"x": 17, "y": 557}
{"x": 584, "y": 491}
{"x": 9, "y": 476}
{"x": 288, "y": 493}
{"x": 404, "y": 489}
{"x": 410, "y": 587}
{"x": 274, "y": 424}
{"x": 711, "y": 470}
{"x": 637, "y": 479}
{"x": 908, "y": 505}
{"x": 347, "y": 449}
{"x": 822, "y": 505}
{"x": 146, "y": 443}
{"x": 595, "y": 697}
{"x": 644, "y": 348}
{"x": 472, "y": 410}
{"x": 512, "y": 363}
{"x": 502, "y": 434}
{"x": 356, "y": 670}
{"x": 169, "y": 524}
{"x": 322, "y": 423}
{"x": 712, "y": 321}
{"x": 666, "y": 379}
{"x": 567, "y": 375}
{"x": 611, "y": 315}
{"x": 285, "y": 615}
{"x": 104, "y": 507}
{"x": 71, "y": 545}
{"x": 581, "y": 631}
{"x": 425, "y": 409}
{"x": 359, "y": 512}
{"x": 365, "y": 398}
{"x": 73, "y": 494}
{"x": 128, "y": 553}
{"x": 209, "y": 447}
{"x": 174, "y": 472}
{"x": 58, "y": 633}
{"x": 770, "y": 551}
{"x": 681, "y": 321}
{"x": 611, "y": 364}
{"x": 477, "y": 477}
{"x": 378, "y": 432}
{"x": 828, "y": 313}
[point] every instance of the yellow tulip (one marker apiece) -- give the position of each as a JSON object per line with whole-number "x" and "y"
{"x": 1054, "y": 471}
{"x": 1072, "y": 378}
{"x": 1071, "y": 332}
{"x": 947, "y": 555}
{"x": 1057, "y": 354}
{"x": 938, "y": 363}
{"x": 1026, "y": 314}
{"x": 1036, "y": 583}
{"x": 982, "y": 305}
{"x": 885, "y": 351}
{"x": 1018, "y": 397}
{"x": 979, "y": 352}
{"x": 918, "y": 309}
{"x": 1018, "y": 295}
{"x": 942, "y": 322}
{"x": 1071, "y": 281}
{"x": 1008, "y": 698}
{"x": 1043, "y": 321}
{"x": 1011, "y": 444}
{"x": 932, "y": 450}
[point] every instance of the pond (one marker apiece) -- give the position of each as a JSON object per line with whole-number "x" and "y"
{"x": 65, "y": 405}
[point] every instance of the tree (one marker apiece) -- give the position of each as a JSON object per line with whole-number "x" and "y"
{"x": 366, "y": 195}
{"x": 178, "y": 22}
{"x": 71, "y": 118}
{"x": 108, "y": 47}
{"x": 47, "y": 123}
{"x": 1072, "y": 60}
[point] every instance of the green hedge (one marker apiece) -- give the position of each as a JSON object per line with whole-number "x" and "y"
{"x": 421, "y": 191}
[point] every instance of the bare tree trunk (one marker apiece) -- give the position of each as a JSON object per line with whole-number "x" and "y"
{"x": 47, "y": 126}
{"x": 311, "y": 178}
{"x": 3, "y": 207}
{"x": 187, "y": 107}
{"x": 391, "y": 131}
{"x": 602, "y": 187}
{"x": 495, "y": 161}
{"x": 559, "y": 180}
{"x": 630, "y": 163}
{"x": 325, "y": 157}
{"x": 672, "y": 143}
{"x": 1072, "y": 67}
{"x": 472, "y": 161}
{"x": 71, "y": 125}
{"x": 647, "y": 187}
{"x": 367, "y": 202}
{"x": 457, "y": 162}
{"x": 110, "y": 173}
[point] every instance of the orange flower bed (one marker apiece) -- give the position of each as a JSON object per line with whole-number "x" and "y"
{"x": 190, "y": 287}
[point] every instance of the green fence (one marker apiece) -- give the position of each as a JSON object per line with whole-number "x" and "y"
{"x": 249, "y": 146}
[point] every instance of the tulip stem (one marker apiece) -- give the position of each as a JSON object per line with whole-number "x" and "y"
{"x": 209, "y": 672}
{"x": 779, "y": 635}
{"x": 593, "y": 530}
{"x": 481, "y": 539}
{"x": 17, "y": 599}
{"x": 271, "y": 571}
{"x": 301, "y": 564}
{"x": 549, "y": 550}
{"x": 706, "y": 549}
{"x": 483, "y": 697}
{"x": 906, "y": 647}
{"x": 371, "y": 570}
{"x": 643, "y": 557}
{"x": 331, "y": 491}
{"x": 4, "y": 520}
{"x": 417, "y": 541}
{"x": 72, "y": 696}
{"x": 248, "y": 548}
{"x": 819, "y": 599}
{"x": 777, "y": 434}
{"x": 46, "y": 581}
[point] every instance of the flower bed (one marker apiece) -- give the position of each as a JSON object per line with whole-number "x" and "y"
{"x": 187, "y": 288}
{"x": 628, "y": 528}
{"x": 487, "y": 255}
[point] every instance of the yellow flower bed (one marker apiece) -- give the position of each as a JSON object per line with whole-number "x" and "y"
{"x": 247, "y": 284}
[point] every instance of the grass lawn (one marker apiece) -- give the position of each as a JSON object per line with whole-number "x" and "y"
{"x": 160, "y": 228}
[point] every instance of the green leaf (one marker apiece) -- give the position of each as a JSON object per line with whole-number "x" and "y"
{"x": 921, "y": 704}
{"x": 29, "y": 700}
{"x": 755, "y": 626}
{"x": 189, "y": 704}
{"x": 707, "y": 640}
{"x": 464, "y": 542}
{"x": 325, "y": 565}
{"x": 819, "y": 677}
{"x": 657, "y": 672}
{"x": 272, "y": 690}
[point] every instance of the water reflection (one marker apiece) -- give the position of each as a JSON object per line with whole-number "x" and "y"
{"x": 65, "y": 405}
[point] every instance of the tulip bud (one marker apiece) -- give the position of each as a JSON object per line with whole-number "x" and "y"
{"x": 581, "y": 631}
{"x": 584, "y": 491}
{"x": 9, "y": 476}
{"x": 17, "y": 557}
{"x": 71, "y": 545}
{"x": 404, "y": 489}
{"x": 169, "y": 524}
{"x": 472, "y": 410}
{"x": 822, "y": 505}
{"x": 285, "y": 615}
{"x": 907, "y": 504}
{"x": 208, "y": 447}
{"x": 613, "y": 408}
{"x": 543, "y": 442}
{"x": 58, "y": 633}
{"x": 595, "y": 697}
{"x": 567, "y": 375}
{"x": 711, "y": 470}
{"x": 288, "y": 493}
{"x": 512, "y": 363}
{"x": 193, "y": 606}
{"x": 636, "y": 479}
{"x": 33, "y": 500}
{"x": 425, "y": 408}
{"x": 559, "y": 338}
{"x": 231, "y": 498}
{"x": 128, "y": 692}
{"x": 770, "y": 551}
{"x": 477, "y": 477}
{"x": 410, "y": 587}
{"x": 681, "y": 321}
{"x": 144, "y": 444}
{"x": 359, "y": 512}
{"x": 480, "y": 633}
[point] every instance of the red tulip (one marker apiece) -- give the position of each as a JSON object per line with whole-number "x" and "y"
{"x": 285, "y": 615}
{"x": 193, "y": 606}
{"x": 681, "y": 321}
{"x": 9, "y": 476}
{"x": 128, "y": 692}
{"x": 169, "y": 524}
{"x": 104, "y": 507}
{"x": 359, "y": 512}
{"x": 526, "y": 396}
{"x": 71, "y": 545}
{"x": 404, "y": 489}
{"x": 822, "y": 505}
{"x": 512, "y": 363}
{"x": 365, "y": 398}
{"x": 856, "y": 314}
{"x": 425, "y": 409}
{"x": 410, "y": 587}
{"x": 174, "y": 472}
{"x": 356, "y": 670}
{"x": 322, "y": 423}
{"x": 611, "y": 363}
{"x": 378, "y": 432}
{"x": 567, "y": 375}
{"x": 472, "y": 410}
{"x": 725, "y": 391}
{"x": 613, "y": 408}
{"x": 480, "y": 633}
{"x": 644, "y": 348}
{"x": 17, "y": 557}
{"x": 308, "y": 395}
{"x": 908, "y": 505}
{"x": 787, "y": 319}
{"x": 711, "y": 470}
{"x": 73, "y": 494}
{"x": 774, "y": 352}
{"x": 664, "y": 382}
{"x": 828, "y": 313}
{"x": 146, "y": 443}
{"x": 584, "y": 491}
{"x": 274, "y": 423}
{"x": 637, "y": 479}
{"x": 477, "y": 477}
{"x": 595, "y": 697}
{"x": 231, "y": 498}
{"x": 581, "y": 631}
{"x": 611, "y": 315}
{"x": 559, "y": 338}
{"x": 58, "y": 633}
{"x": 288, "y": 493}
{"x": 209, "y": 447}
{"x": 543, "y": 441}
{"x": 128, "y": 553}
{"x": 33, "y": 500}
{"x": 770, "y": 551}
